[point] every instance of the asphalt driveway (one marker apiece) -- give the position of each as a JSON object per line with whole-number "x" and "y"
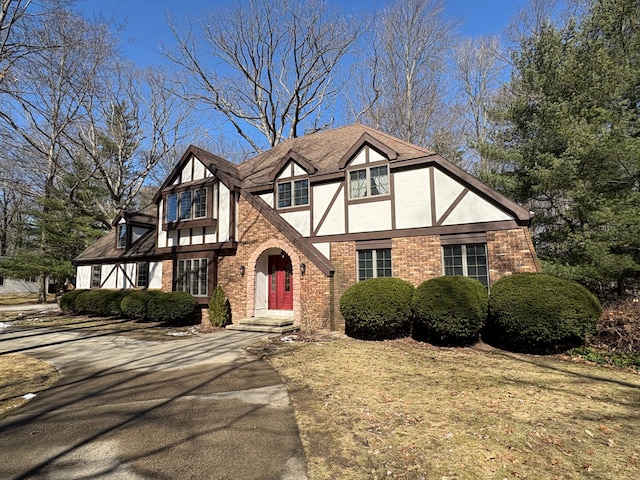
{"x": 196, "y": 407}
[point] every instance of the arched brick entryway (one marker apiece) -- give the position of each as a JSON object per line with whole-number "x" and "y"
{"x": 255, "y": 278}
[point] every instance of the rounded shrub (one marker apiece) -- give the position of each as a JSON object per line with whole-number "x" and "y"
{"x": 68, "y": 300}
{"x": 90, "y": 302}
{"x": 219, "y": 308}
{"x": 449, "y": 310}
{"x": 173, "y": 308}
{"x": 540, "y": 313}
{"x": 134, "y": 305}
{"x": 109, "y": 303}
{"x": 377, "y": 309}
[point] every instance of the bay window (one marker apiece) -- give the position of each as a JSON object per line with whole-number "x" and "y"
{"x": 187, "y": 205}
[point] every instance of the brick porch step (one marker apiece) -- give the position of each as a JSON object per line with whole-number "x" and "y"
{"x": 264, "y": 324}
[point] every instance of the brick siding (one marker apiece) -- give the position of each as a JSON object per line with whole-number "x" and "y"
{"x": 511, "y": 251}
{"x": 256, "y": 234}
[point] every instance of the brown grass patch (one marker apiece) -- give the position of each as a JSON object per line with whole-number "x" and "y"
{"x": 409, "y": 410}
{"x": 22, "y": 298}
{"x": 20, "y": 375}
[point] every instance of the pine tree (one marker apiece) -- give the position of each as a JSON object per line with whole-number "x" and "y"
{"x": 569, "y": 143}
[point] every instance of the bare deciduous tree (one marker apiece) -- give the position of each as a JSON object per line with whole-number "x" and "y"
{"x": 269, "y": 67}
{"x": 479, "y": 70}
{"x": 404, "y": 91}
{"x": 131, "y": 126}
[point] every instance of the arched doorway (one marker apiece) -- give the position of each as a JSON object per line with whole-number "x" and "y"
{"x": 274, "y": 289}
{"x": 280, "y": 282}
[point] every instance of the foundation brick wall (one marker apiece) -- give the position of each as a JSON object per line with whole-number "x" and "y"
{"x": 416, "y": 259}
{"x": 511, "y": 251}
{"x": 167, "y": 275}
{"x": 255, "y": 235}
{"x": 343, "y": 259}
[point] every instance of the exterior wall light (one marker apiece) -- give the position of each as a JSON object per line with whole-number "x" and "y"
{"x": 303, "y": 268}
{"x": 242, "y": 270}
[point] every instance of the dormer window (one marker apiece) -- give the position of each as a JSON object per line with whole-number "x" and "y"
{"x": 368, "y": 182}
{"x": 293, "y": 194}
{"x": 187, "y": 205}
{"x": 122, "y": 236}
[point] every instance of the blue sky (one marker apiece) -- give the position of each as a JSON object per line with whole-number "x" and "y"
{"x": 146, "y": 23}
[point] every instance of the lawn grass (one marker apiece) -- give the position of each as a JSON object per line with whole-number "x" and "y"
{"x": 408, "y": 410}
{"x": 22, "y": 299}
{"x": 20, "y": 375}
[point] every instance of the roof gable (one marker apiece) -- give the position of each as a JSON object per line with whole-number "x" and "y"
{"x": 367, "y": 140}
{"x": 220, "y": 168}
{"x": 293, "y": 156}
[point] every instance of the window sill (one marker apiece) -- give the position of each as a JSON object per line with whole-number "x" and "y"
{"x": 200, "y": 222}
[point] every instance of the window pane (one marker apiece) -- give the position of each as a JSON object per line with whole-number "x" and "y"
{"x": 194, "y": 277}
{"x": 96, "y": 274}
{"x": 284, "y": 195}
{"x": 453, "y": 260}
{"x": 365, "y": 264}
{"x": 122, "y": 236}
{"x": 383, "y": 262}
{"x": 185, "y": 206}
{"x": 203, "y": 277}
{"x": 477, "y": 263}
{"x": 200, "y": 203}
{"x": 143, "y": 274}
{"x": 358, "y": 184}
{"x": 172, "y": 208}
{"x": 379, "y": 180}
{"x": 301, "y": 192}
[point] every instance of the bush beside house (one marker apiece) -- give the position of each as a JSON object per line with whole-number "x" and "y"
{"x": 449, "y": 310}
{"x": 173, "y": 308}
{"x": 219, "y": 308}
{"x": 540, "y": 313}
{"x": 377, "y": 309}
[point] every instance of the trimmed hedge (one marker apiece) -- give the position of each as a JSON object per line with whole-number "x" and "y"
{"x": 449, "y": 310}
{"x": 377, "y": 309}
{"x": 540, "y": 313}
{"x": 219, "y": 308}
{"x": 134, "y": 305}
{"x": 89, "y": 302}
{"x": 109, "y": 304}
{"x": 68, "y": 300}
{"x": 174, "y": 308}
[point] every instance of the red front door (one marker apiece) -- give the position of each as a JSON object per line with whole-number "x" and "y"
{"x": 280, "y": 283}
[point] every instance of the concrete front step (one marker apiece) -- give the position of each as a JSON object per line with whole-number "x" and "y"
{"x": 264, "y": 324}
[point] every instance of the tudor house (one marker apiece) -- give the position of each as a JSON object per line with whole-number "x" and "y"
{"x": 288, "y": 231}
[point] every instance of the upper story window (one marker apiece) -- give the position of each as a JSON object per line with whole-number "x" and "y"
{"x": 368, "y": 182}
{"x": 293, "y": 194}
{"x": 122, "y": 236}
{"x": 187, "y": 205}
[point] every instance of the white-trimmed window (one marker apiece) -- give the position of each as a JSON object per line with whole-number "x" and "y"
{"x": 368, "y": 182}
{"x": 96, "y": 276}
{"x": 467, "y": 260}
{"x": 122, "y": 236}
{"x": 187, "y": 205}
{"x": 142, "y": 278}
{"x": 191, "y": 276}
{"x": 293, "y": 194}
{"x": 374, "y": 263}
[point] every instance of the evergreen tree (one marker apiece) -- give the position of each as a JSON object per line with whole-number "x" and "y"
{"x": 569, "y": 143}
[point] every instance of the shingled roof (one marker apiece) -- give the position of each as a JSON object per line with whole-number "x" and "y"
{"x": 325, "y": 150}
